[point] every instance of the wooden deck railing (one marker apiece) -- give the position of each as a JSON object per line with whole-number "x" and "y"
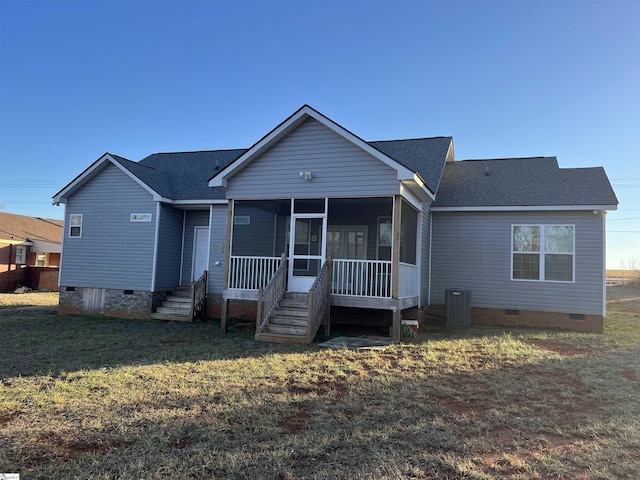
{"x": 269, "y": 297}
{"x": 364, "y": 278}
{"x": 319, "y": 301}
{"x": 251, "y": 273}
{"x": 199, "y": 297}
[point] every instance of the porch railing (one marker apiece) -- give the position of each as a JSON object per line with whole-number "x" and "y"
{"x": 251, "y": 273}
{"x": 269, "y": 297}
{"x": 319, "y": 300}
{"x": 408, "y": 284}
{"x": 366, "y": 278}
{"x": 199, "y": 296}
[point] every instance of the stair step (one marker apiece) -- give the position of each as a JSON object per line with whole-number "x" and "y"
{"x": 286, "y": 329}
{"x": 291, "y": 312}
{"x": 285, "y": 320}
{"x": 289, "y": 302}
{"x": 175, "y": 318}
{"x": 280, "y": 338}
{"x": 301, "y": 297}
{"x": 178, "y": 299}
{"x": 181, "y": 305}
{"x": 181, "y": 293}
{"x": 171, "y": 311}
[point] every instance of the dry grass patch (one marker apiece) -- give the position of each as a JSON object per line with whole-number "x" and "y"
{"x": 33, "y": 299}
{"x": 106, "y": 398}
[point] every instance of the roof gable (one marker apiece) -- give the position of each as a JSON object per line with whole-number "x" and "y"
{"x": 291, "y": 123}
{"x": 147, "y": 178}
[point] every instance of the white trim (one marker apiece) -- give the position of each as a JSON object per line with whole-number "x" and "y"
{"x": 430, "y": 249}
{"x": 71, "y": 225}
{"x": 419, "y": 254}
{"x": 220, "y": 180}
{"x": 604, "y": 265}
{"x": 155, "y": 248}
{"x": 184, "y": 226}
{"x": 520, "y": 208}
{"x": 62, "y": 247}
{"x": 193, "y": 254}
{"x": 542, "y": 253}
{"x": 410, "y": 196}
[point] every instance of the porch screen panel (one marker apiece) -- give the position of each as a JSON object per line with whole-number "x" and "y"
{"x": 408, "y": 234}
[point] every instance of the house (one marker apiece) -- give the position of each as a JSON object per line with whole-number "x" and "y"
{"x": 29, "y": 252}
{"x": 312, "y": 217}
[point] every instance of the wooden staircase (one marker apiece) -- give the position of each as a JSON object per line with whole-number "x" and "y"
{"x": 288, "y": 323}
{"x": 177, "y": 306}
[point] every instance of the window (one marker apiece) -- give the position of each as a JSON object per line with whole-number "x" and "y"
{"x": 75, "y": 228}
{"x": 42, "y": 259}
{"x": 141, "y": 217}
{"x": 543, "y": 252}
{"x": 385, "y": 235}
{"x": 21, "y": 255}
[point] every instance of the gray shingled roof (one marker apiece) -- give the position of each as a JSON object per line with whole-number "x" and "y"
{"x": 522, "y": 182}
{"x": 182, "y": 175}
{"x": 185, "y": 175}
{"x": 425, "y": 156}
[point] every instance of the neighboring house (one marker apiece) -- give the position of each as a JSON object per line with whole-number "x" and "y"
{"x": 313, "y": 215}
{"x": 29, "y": 252}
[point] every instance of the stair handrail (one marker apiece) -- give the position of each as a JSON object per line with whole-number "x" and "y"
{"x": 199, "y": 297}
{"x": 319, "y": 300}
{"x": 269, "y": 297}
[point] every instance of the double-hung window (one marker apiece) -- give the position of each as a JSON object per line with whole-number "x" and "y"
{"x": 75, "y": 228}
{"x": 21, "y": 255}
{"x": 543, "y": 253}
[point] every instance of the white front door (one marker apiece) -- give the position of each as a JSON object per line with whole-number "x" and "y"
{"x": 308, "y": 252}
{"x": 200, "y": 252}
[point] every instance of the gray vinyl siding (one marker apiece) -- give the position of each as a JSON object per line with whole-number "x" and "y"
{"x": 113, "y": 252}
{"x": 473, "y": 251}
{"x": 217, "y": 249}
{"x": 339, "y": 168}
{"x": 192, "y": 219}
{"x": 425, "y": 244}
{"x": 257, "y": 238}
{"x": 169, "y": 248}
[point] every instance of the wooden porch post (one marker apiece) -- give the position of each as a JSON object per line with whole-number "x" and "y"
{"x": 395, "y": 267}
{"x": 225, "y": 302}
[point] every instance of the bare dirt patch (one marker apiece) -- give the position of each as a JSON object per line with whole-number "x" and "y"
{"x": 296, "y": 422}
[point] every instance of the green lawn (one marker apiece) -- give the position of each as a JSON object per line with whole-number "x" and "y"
{"x": 104, "y": 398}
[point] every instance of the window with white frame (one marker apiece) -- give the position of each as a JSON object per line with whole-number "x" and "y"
{"x": 75, "y": 225}
{"x": 385, "y": 236}
{"x": 21, "y": 255}
{"x": 543, "y": 252}
{"x": 42, "y": 259}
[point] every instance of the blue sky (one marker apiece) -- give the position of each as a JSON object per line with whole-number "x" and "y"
{"x": 504, "y": 78}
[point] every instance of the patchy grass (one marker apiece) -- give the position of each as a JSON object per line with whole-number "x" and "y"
{"x": 33, "y": 299}
{"x": 104, "y": 398}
